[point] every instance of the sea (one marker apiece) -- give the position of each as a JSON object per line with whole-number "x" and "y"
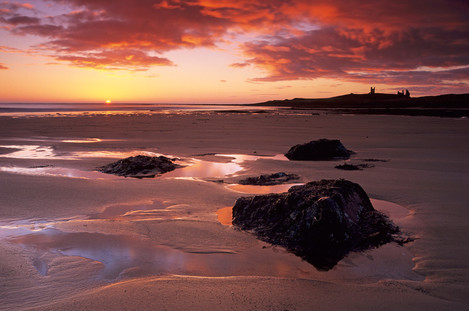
{"x": 60, "y": 109}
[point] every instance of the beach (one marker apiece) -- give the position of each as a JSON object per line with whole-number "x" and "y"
{"x": 72, "y": 238}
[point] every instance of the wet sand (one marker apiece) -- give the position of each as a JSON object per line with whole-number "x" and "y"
{"x": 99, "y": 242}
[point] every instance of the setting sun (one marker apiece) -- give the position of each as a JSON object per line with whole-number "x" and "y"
{"x": 107, "y": 102}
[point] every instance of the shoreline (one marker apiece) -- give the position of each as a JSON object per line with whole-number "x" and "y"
{"x": 425, "y": 172}
{"x": 443, "y": 106}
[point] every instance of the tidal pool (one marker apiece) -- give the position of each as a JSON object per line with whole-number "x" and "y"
{"x": 192, "y": 168}
{"x": 124, "y": 256}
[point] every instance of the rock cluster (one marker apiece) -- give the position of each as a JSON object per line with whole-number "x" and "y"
{"x": 269, "y": 180}
{"x": 320, "y": 221}
{"x": 140, "y": 166}
{"x": 319, "y": 150}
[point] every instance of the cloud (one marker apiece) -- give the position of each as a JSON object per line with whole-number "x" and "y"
{"x": 15, "y": 6}
{"x": 110, "y": 59}
{"x": 8, "y": 49}
{"x": 3, "y": 66}
{"x": 260, "y": 16}
{"x": 240, "y": 65}
{"x": 16, "y": 20}
{"x": 353, "y": 54}
{"x": 318, "y": 53}
{"x": 353, "y": 40}
{"x": 372, "y": 42}
{"x": 102, "y": 33}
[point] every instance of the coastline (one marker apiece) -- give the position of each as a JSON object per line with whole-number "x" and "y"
{"x": 425, "y": 172}
{"x": 444, "y": 106}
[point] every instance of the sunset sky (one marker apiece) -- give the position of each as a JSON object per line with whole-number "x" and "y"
{"x": 229, "y": 51}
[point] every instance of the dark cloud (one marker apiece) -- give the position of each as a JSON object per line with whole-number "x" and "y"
{"x": 43, "y": 30}
{"x": 16, "y": 20}
{"x": 323, "y": 52}
{"x": 356, "y": 55}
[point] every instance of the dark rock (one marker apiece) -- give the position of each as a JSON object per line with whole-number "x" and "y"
{"x": 374, "y": 160}
{"x": 140, "y": 166}
{"x": 320, "y": 221}
{"x": 41, "y": 166}
{"x": 348, "y": 167}
{"x": 269, "y": 180}
{"x": 319, "y": 150}
{"x": 353, "y": 167}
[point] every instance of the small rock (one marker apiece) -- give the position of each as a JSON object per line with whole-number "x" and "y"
{"x": 319, "y": 150}
{"x": 353, "y": 167}
{"x": 140, "y": 166}
{"x": 374, "y": 160}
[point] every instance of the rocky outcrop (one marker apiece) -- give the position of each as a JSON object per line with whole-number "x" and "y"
{"x": 140, "y": 166}
{"x": 319, "y": 150}
{"x": 269, "y": 180}
{"x": 319, "y": 221}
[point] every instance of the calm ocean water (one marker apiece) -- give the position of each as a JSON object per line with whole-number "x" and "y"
{"x": 15, "y": 109}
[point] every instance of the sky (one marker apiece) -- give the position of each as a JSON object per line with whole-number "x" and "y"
{"x": 229, "y": 51}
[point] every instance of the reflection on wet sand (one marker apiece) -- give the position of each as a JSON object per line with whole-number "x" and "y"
{"x": 240, "y": 158}
{"x": 118, "y": 253}
{"x": 192, "y": 168}
{"x": 57, "y": 171}
{"x": 204, "y": 169}
{"x": 28, "y": 152}
{"x": 82, "y": 141}
{"x": 120, "y": 211}
{"x": 49, "y": 152}
{"x": 131, "y": 255}
{"x": 225, "y": 215}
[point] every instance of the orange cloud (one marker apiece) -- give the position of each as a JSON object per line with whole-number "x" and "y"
{"x": 240, "y": 65}
{"x": 3, "y": 66}
{"x": 27, "y": 5}
{"x": 133, "y": 60}
{"x": 290, "y": 39}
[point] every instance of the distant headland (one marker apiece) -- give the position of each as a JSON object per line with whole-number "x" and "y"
{"x": 448, "y": 105}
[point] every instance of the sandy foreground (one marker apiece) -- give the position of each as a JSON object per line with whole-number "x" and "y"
{"x": 75, "y": 239}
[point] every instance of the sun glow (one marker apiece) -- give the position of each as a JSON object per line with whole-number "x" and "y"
{"x": 107, "y": 102}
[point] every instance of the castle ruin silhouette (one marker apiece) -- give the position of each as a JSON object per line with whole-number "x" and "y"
{"x": 405, "y": 93}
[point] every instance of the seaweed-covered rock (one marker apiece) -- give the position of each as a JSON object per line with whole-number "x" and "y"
{"x": 269, "y": 180}
{"x": 319, "y": 150}
{"x": 320, "y": 221}
{"x": 140, "y": 166}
